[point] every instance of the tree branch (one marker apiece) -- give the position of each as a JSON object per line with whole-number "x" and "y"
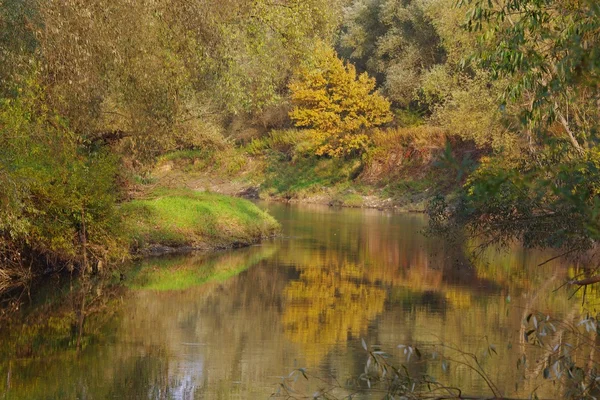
{"x": 586, "y": 281}
{"x": 565, "y": 125}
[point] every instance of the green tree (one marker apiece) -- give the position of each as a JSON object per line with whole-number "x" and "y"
{"x": 551, "y": 50}
{"x": 58, "y": 203}
{"x": 547, "y": 194}
{"x": 160, "y": 75}
{"x": 393, "y": 40}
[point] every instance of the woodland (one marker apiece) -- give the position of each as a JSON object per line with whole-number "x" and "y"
{"x": 485, "y": 113}
{"x": 140, "y": 127}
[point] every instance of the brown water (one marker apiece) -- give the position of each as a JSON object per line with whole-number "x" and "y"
{"x": 227, "y": 326}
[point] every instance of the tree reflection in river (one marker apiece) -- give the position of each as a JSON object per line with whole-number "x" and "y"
{"x": 328, "y": 305}
{"x": 226, "y": 326}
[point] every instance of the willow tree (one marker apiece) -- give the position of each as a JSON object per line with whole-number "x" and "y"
{"x": 547, "y": 195}
{"x": 157, "y": 75}
{"x": 393, "y": 40}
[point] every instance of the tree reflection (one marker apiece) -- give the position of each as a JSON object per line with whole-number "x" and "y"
{"x": 328, "y": 305}
{"x": 191, "y": 328}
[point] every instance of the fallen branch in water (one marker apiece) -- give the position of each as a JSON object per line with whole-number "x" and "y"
{"x": 587, "y": 281}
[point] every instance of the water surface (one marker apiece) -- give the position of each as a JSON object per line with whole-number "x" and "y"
{"x": 227, "y": 326}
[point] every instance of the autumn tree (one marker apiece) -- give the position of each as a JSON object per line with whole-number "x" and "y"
{"x": 336, "y": 105}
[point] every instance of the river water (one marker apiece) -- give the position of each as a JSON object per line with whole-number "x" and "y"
{"x": 229, "y": 325}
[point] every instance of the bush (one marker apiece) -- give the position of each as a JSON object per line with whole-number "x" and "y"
{"x": 336, "y": 105}
{"x": 58, "y": 199}
{"x": 284, "y": 141}
{"x": 547, "y": 201}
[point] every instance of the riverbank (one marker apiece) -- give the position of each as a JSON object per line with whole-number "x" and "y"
{"x": 164, "y": 221}
{"x": 390, "y": 180}
{"x": 176, "y": 220}
{"x": 346, "y": 195}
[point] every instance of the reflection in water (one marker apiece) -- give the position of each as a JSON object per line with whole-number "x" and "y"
{"x": 328, "y": 305}
{"x": 226, "y": 326}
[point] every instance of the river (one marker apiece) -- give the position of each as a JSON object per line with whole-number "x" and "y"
{"x": 229, "y": 325}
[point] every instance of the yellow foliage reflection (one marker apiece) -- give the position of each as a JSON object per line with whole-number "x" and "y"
{"x": 327, "y": 305}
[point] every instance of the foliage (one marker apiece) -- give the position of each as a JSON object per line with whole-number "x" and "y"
{"x": 163, "y": 75}
{"x": 546, "y": 194}
{"x": 336, "y": 105}
{"x": 562, "y": 341}
{"x": 393, "y": 40}
{"x": 58, "y": 198}
{"x": 284, "y": 141}
{"x": 17, "y": 42}
{"x": 410, "y": 163}
{"x": 419, "y": 53}
{"x": 467, "y": 106}
{"x": 551, "y": 202}
{"x": 306, "y": 176}
{"x": 552, "y": 49}
{"x": 422, "y": 139}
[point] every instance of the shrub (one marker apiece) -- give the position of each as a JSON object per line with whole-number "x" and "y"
{"x": 336, "y": 105}
{"x": 58, "y": 198}
{"x": 283, "y": 141}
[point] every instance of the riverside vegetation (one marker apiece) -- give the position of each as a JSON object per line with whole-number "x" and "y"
{"x": 119, "y": 121}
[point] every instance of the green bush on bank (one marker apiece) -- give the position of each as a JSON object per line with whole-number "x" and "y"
{"x": 185, "y": 218}
{"x": 58, "y": 196}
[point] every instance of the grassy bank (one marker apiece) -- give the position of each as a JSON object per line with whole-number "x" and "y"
{"x": 186, "y": 219}
{"x": 402, "y": 169}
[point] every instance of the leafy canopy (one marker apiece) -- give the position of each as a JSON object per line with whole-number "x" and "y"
{"x": 336, "y": 105}
{"x": 551, "y": 48}
{"x": 393, "y": 40}
{"x": 548, "y": 196}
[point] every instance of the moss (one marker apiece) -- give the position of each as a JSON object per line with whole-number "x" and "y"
{"x": 185, "y": 218}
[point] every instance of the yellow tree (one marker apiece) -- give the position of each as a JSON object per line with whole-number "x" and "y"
{"x": 337, "y": 106}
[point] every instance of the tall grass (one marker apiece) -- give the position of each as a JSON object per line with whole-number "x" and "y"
{"x": 284, "y": 141}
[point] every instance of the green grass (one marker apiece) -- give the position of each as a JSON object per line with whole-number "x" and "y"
{"x": 185, "y": 155}
{"x": 306, "y": 175}
{"x": 182, "y": 218}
